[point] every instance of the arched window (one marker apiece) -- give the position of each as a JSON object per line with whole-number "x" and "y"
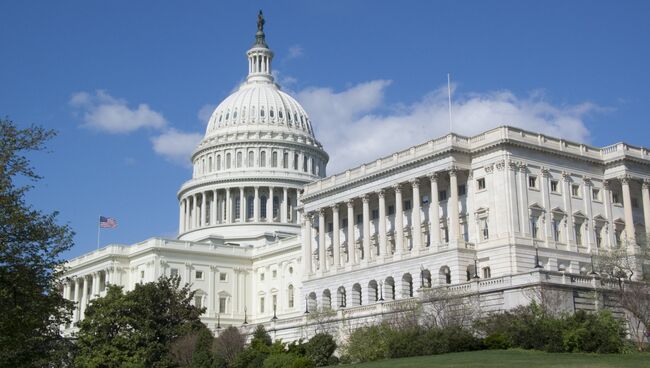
{"x": 389, "y": 288}
{"x": 239, "y": 159}
{"x": 274, "y": 159}
{"x": 426, "y": 278}
{"x": 373, "y": 291}
{"x": 203, "y": 166}
{"x": 280, "y": 114}
{"x": 356, "y": 294}
{"x": 311, "y": 302}
{"x": 271, "y": 113}
{"x": 263, "y": 159}
{"x": 407, "y": 286}
{"x": 445, "y": 275}
{"x": 262, "y": 112}
{"x": 290, "y": 296}
{"x": 263, "y": 206}
{"x": 276, "y": 206}
{"x": 218, "y": 162}
{"x": 326, "y": 300}
{"x": 228, "y": 160}
{"x": 341, "y": 300}
{"x": 251, "y": 159}
{"x": 250, "y": 206}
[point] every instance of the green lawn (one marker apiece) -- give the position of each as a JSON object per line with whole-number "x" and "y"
{"x": 515, "y": 358}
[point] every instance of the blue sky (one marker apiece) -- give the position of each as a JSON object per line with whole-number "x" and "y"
{"x": 127, "y": 84}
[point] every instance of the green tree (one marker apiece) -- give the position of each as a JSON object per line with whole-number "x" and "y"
{"x": 137, "y": 328}
{"x": 32, "y": 307}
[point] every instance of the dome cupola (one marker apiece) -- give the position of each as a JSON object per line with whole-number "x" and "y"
{"x": 258, "y": 151}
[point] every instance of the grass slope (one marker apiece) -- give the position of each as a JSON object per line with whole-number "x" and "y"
{"x": 515, "y": 358}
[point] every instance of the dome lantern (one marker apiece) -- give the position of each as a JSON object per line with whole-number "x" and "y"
{"x": 260, "y": 56}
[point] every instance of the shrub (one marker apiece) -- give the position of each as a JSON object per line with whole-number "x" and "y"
{"x": 460, "y": 339}
{"x": 320, "y": 348}
{"x": 497, "y": 341}
{"x": 367, "y": 344}
{"x": 286, "y": 360}
{"x": 406, "y": 343}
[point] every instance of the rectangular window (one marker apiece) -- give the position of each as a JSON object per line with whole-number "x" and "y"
{"x": 222, "y": 276}
{"x": 359, "y": 218}
{"x": 442, "y": 195}
{"x": 330, "y": 227}
{"x": 173, "y": 272}
{"x": 554, "y": 186}
{"x": 262, "y": 305}
{"x": 615, "y": 198}
{"x": 486, "y": 230}
{"x": 274, "y": 273}
{"x": 578, "y": 231}
{"x": 487, "y": 273}
{"x": 261, "y": 276}
{"x": 198, "y": 275}
{"x": 533, "y": 227}
{"x": 595, "y": 194}
{"x": 575, "y": 190}
{"x": 237, "y": 212}
{"x": 391, "y": 210}
{"x": 222, "y": 305}
{"x": 461, "y": 190}
{"x": 141, "y": 274}
{"x": 635, "y": 203}
{"x": 344, "y": 223}
{"x": 446, "y": 233}
{"x": 532, "y": 182}
{"x": 556, "y": 230}
{"x": 599, "y": 239}
{"x": 480, "y": 183}
{"x": 407, "y": 205}
{"x": 375, "y": 214}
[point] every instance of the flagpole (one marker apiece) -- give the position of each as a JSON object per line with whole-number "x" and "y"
{"x": 98, "y": 229}
{"x": 449, "y": 97}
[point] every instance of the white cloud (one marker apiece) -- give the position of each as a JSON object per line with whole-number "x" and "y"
{"x": 295, "y": 51}
{"x": 355, "y": 126}
{"x": 176, "y": 146}
{"x": 205, "y": 112}
{"x": 105, "y": 113}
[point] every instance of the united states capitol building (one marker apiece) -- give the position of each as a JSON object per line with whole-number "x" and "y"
{"x": 265, "y": 235}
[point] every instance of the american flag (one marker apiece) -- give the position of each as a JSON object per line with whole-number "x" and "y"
{"x": 107, "y": 222}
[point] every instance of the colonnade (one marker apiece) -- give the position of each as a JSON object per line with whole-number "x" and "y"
{"x": 82, "y": 289}
{"x": 406, "y": 235}
{"x": 255, "y": 204}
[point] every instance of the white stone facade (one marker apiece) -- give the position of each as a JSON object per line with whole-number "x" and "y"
{"x": 264, "y": 236}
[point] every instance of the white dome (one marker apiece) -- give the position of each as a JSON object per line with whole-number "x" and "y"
{"x": 259, "y": 106}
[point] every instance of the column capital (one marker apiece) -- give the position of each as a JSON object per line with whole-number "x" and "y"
{"x": 365, "y": 198}
{"x": 350, "y": 202}
{"x": 606, "y": 184}
{"x": 335, "y": 207}
{"x": 433, "y": 176}
{"x": 257, "y": 188}
{"x": 489, "y": 168}
{"x": 381, "y": 193}
{"x": 453, "y": 170}
{"x": 321, "y": 212}
{"x": 587, "y": 180}
{"x": 545, "y": 172}
{"x": 625, "y": 179}
{"x": 415, "y": 182}
{"x": 522, "y": 166}
{"x": 645, "y": 184}
{"x": 512, "y": 165}
{"x": 566, "y": 176}
{"x": 397, "y": 188}
{"x": 500, "y": 165}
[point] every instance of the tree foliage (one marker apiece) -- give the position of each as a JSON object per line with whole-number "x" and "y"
{"x": 138, "y": 328}
{"x": 32, "y": 307}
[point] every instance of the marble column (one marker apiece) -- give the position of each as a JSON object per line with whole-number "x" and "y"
{"x": 242, "y": 205}
{"x": 283, "y": 212}
{"x": 336, "y": 239}
{"x": 321, "y": 241}
{"x": 399, "y": 220}
{"x": 381, "y": 194}
{"x": 587, "y": 194}
{"x": 546, "y": 202}
{"x": 307, "y": 249}
{"x": 228, "y": 205}
{"x": 566, "y": 194}
{"x": 454, "y": 228}
{"x": 416, "y": 218}
{"x": 84, "y": 296}
{"x": 351, "y": 241}
{"x": 256, "y": 205}
{"x": 181, "y": 216}
{"x": 214, "y": 208}
{"x": 195, "y": 213}
{"x": 607, "y": 203}
{"x": 204, "y": 201}
{"x": 269, "y": 206}
{"x": 627, "y": 207}
{"x": 75, "y": 299}
{"x": 645, "y": 193}
{"x": 366, "y": 227}
{"x": 434, "y": 211}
